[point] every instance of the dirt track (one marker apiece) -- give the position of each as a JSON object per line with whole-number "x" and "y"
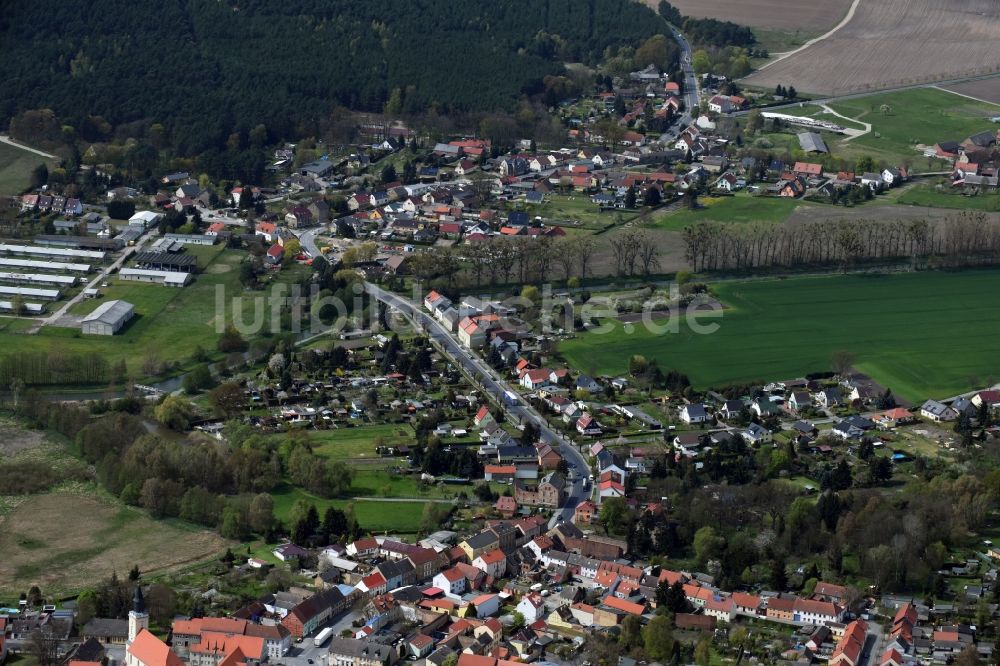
{"x": 892, "y": 43}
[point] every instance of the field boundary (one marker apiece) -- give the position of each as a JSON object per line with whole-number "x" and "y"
{"x": 829, "y": 33}
{"x": 10, "y": 142}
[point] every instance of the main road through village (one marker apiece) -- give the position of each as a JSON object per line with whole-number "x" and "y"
{"x": 491, "y": 382}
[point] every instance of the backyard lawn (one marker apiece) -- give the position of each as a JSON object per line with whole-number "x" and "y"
{"x": 920, "y": 334}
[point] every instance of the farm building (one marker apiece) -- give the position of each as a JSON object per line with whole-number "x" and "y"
{"x": 192, "y": 239}
{"x": 80, "y": 242}
{"x": 167, "y": 261}
{"x": 108, "y": 318}
{"x": 166, "y": 278}
{"x": 30, "y": 308}
{"x": 54, "y": 252}
{"x": 144, "y": 219}
{"x": 811, "y": 142}
{"x": 57, "y": 266}
{"x": 30, "y": 292}
{"x": 37, "y": 278}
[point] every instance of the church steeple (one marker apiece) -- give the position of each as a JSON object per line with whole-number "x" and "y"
{"x": 138, "y": 619}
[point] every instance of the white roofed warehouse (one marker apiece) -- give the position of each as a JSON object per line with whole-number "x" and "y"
{"x": 108, "y": 318}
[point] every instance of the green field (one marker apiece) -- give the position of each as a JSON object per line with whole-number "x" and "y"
{"x": 358, "y": 443}
{"x": 372, "y": 516}
{"x": 169, "y": 324}
{"x": 577, "y": 207}
{"x": 920, "y": 334}
{"x": 920, "y": 116}
{"x": 739, "y": 208}
{"x": 15, "y": 168}
{"x": 929, "y": 195}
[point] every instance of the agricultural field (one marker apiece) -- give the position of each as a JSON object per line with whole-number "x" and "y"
{"x": 16, "y": 165}
{"x": 741, "y": 207}
{"x": 65, "y": 540}
{"x": 901, "y": 329}
{"x": 774, "y": 14}
{"x": 890, "y": 44}
{"x": 987, "y": 90}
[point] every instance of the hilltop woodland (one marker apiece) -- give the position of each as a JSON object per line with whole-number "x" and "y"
{"x": 193, "y": 74}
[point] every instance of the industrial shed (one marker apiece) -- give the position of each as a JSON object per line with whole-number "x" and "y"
{"x": 108, "y": 318}
{"x": 54, "y": 252}
{"x": 811, "y": 142}
{"x": 57, "y": 266}
{"x": 166, "y": 278}
{"x": 166, "y": 261}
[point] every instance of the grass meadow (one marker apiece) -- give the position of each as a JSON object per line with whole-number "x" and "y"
{"x": 920, "y": 334}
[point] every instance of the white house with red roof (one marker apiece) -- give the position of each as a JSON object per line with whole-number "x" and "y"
{"x": 452, "y": 581}
{"x": 532, "y": 379}
{"x": 494, "y": 563}
{"x": 486, "y": 605}
{"x": 531, "y": 606}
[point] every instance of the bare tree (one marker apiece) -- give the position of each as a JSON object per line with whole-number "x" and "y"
{"x": 565, "y": 256}
{"x": 841, "y": 361}
{"x": 649, "y": 253}
{"x": 585, "y": 247}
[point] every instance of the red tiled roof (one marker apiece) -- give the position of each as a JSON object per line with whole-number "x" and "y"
{"x": 151, "y": 651}
{"x": 623, "y": 605}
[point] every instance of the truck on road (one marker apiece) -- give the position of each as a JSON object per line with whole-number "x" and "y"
{"x": 323, "y": 636}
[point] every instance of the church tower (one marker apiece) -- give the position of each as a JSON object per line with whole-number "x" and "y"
{"x": 138, "y": 618}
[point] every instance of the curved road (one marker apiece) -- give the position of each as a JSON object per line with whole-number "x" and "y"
{"x": 482, "y": 374}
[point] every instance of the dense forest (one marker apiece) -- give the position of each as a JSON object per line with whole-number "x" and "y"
{"x": 205, "y": 69}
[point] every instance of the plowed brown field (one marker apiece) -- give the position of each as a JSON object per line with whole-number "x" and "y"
{"x": 892, "y": 43}
{"x": 805, "y": 15}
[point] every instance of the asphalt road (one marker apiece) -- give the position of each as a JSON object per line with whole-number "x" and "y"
{"x": 490, "y": 381}
{"x": 691, "y": 97}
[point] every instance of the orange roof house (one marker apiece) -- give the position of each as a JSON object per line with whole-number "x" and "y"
{"x": 148, "y": 650}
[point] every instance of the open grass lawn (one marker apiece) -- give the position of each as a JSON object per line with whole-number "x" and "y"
{"x": 920, "y": 334}
{"x": 561, "y": 208}
{"x": 64, "y": 541}
{"x": 929, "y": 195}
{"x": 742, "y": 207}
{"x": 169, "y": 324}
{"x": 373, "y": 516}
{"x": 15, "y": 168}
{"x": 359, "y": 443}
{"x": 925, "y": 116}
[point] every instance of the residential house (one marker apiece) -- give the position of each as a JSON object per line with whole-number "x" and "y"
{"x": 755, "y": 433}
{"x": 588, "y": 426}
{"x": 531, "y": 606}
{"x": 937, "y": 411}
{"x": 353, "y": 652}
{"x": 452, "y": 581}
{"x": 693, "y": 413}
{"x": 872, "y": 180}
{"x": 799, "y": 400}
{"x": 850, "y": 647}
{"x": 550, "y": 491}
{"x": 494, "y": 563}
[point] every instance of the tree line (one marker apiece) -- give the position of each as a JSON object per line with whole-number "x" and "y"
{"x": 964, "y": 239}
